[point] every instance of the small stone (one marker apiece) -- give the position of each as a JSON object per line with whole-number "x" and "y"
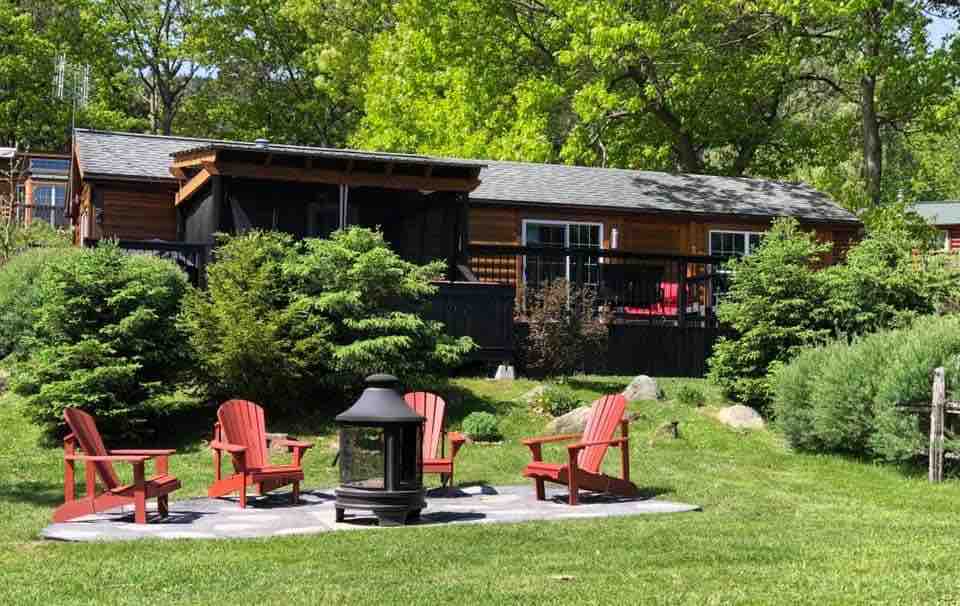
{"x": 642, "y": 387}
{"x": 505, "y": 372}
{"x": 741, "y": 417}
{"x": 574, "y": 421}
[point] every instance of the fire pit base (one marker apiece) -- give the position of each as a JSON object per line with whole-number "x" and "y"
{"x": 392, "y": 508}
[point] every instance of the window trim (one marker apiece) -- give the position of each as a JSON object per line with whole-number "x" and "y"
{"x": 37, "y": 185}
{"x": 745, "y": 233}
{"x": 566, "y": 239}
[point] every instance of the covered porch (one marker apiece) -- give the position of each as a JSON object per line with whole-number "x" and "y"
{"x": 419, "y": 203}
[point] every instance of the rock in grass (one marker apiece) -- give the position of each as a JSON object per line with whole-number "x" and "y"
{"x": 741, "y": 417}
{"x": 642, "y": 387}
{"x": 574, "y": 421}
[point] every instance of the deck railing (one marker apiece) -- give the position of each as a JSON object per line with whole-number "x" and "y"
{"x": 192, "y": 258}
{"x": 658, "y": 288}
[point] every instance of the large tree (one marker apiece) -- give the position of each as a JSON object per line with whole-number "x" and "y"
{"x": 875, "y": 56}
{"x": 158, "y": 41}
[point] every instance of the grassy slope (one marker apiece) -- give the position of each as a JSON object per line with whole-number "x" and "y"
{"x": 776, "y": 528}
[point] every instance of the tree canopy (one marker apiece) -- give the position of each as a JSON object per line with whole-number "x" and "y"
{"x": 856, "y": 97}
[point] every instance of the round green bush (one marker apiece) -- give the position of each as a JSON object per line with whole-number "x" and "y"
{"x": 556, "y": 400}
{"x": 106, "y": 340}
{"x": 481, "y": 426}
{"x": 20, "y": 294}
{"x": 297, "y": 324}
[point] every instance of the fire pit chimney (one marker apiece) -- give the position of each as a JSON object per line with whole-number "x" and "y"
{"x": 381, "y": 465}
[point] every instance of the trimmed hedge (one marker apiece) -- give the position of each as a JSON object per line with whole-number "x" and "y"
{"x": 846, "y": 396}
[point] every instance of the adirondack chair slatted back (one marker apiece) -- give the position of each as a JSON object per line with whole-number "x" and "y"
{"x": 432, "y": 407}
{"x": 605, "y": 414}
{"x": 242, "y": 423}
{"x": 84, "y": 428}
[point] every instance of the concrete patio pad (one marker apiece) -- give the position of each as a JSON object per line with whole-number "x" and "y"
{"x": 272, "y": 516}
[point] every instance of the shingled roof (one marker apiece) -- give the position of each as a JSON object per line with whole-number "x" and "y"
{"x": 148, "y": 157}
{"x": 946, "y": 212}
{"x": 645, "y": 191}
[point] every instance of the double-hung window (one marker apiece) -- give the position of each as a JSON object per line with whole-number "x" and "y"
{"x": 734, "y": 243}
{"x": 579, "y": 264}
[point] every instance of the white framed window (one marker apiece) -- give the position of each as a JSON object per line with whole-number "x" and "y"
{"x": 724, "y": 243}
{"x": 576, "y": 269}
{"x": 49, "y": 203}
{"x": 942, "y": 240}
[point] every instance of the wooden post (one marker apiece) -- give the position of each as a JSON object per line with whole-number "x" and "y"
{"x": 682, "y": 295}
{"x": 937, "y": 407}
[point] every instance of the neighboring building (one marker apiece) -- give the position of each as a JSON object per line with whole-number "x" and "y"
{"x": 650, "y": 243}
{"x": 40, "y": 181}
{"x": 945, "y": 216}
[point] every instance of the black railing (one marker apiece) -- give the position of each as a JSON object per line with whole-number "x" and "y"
{"x": 659, "y": 288}
{"x": 192, "y": 258}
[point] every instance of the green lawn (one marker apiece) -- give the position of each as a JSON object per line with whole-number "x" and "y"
{"x": 777, "y": 527}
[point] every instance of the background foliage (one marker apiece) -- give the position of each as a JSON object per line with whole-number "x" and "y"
{"x": 781, "y": 299}
{"x": 858, "y": 98}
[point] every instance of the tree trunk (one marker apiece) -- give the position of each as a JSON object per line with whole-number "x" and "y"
{"x": 872, "y": 146}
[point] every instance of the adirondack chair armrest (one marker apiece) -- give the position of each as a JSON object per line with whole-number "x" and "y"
{"x": 457, "y": 440}
{"x": 616, "y": 443}
{"x": 231, "y": 448}
{"x": 292, "y": 443}
{"x": 161, "y": 452}
{"x": 547, "y": 439}
{"x": 107, "y": 458}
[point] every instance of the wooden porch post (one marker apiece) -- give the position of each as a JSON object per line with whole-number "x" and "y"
{"x": 682, "y": 294}
{"x": 344, "y": 205}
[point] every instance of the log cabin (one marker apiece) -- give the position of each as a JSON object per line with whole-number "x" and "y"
{"x": 651, "y": 244}
{"x": 945, "y": 216}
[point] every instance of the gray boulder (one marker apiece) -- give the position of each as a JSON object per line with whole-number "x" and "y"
{"x": 741, "y": 417}
{"x": 642, "y": 387}
{"x": 574, "y": 421}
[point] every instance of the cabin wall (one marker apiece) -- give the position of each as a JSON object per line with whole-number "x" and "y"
{"x": 135, "y": 211}
{"x": 636, "y": 232}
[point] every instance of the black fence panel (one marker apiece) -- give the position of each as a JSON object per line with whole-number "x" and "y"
{"x": 483, "y": 312}
{"x": 665, "y": 351}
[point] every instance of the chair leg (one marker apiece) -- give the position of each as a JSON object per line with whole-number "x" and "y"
{"x": 243, "y": 494}
{"x": 295, "y": 494}
{"x": 163, "y": 505}
{"x": 541, "y": 492}
{"x": 139, "y": 495}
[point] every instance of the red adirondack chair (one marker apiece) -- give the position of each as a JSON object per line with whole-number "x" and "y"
{"x": 241, "y": 432}
{"x": 432, "y": 407}
{"x": 582, "y": 469}
{"x": 98, "y": 463}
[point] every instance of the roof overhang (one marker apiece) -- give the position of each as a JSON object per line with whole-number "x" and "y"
{"x": 319, "y": 165}
{"x": 626, "y": 210}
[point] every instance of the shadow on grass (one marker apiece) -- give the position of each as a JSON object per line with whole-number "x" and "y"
{"x": 599, "y": 386}
{"x": 43, "y": 494}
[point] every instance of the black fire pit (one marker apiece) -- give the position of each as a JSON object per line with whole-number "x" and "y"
{"x": 381, "y": 469}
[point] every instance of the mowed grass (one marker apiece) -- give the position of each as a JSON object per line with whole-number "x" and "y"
{"x": 776, "y": 527}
